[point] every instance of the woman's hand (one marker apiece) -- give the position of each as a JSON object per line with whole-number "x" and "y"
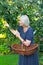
{"x": 6, "y": 24}
{"x": 27, "y": 42}
{"x": 15, "y": 32}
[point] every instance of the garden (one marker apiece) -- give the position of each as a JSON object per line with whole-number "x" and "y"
{"x": 10, "y": 11}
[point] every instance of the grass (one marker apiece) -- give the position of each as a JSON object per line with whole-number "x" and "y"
{"x": 12, "y": 59}
{"x": 9, "y": 60}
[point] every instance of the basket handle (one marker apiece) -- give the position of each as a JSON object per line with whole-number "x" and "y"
{"x": 23, "y": 46}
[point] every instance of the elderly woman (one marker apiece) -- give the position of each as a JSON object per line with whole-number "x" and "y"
{"x": 25, "y": 34}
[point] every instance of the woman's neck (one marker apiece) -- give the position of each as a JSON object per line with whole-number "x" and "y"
{"x": 25, "y": 28}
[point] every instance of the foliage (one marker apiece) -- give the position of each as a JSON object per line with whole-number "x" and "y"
{"x": 11, "y": 59}
{"x": 9, "y": 12}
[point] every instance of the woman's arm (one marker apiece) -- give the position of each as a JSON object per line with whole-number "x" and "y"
{"x": 12, "y": 30}
{"x": 15, "y": 32}
{"x": 25, "y": 42}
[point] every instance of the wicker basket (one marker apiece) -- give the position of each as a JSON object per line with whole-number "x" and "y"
{"x": 24, "y": 50}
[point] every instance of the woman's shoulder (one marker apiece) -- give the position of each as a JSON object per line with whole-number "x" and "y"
{"x": 30, "y": 29}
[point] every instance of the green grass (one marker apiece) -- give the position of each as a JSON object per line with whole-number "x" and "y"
{"x": 12, "y": 59}
{"x": 9, "y": 60}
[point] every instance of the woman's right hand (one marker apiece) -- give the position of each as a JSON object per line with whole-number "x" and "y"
{"x": 6, "y": 24}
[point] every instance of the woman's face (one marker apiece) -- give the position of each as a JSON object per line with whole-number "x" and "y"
{"x": 21, "y": 23}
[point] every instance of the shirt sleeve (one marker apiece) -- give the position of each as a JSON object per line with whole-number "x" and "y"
{"x": 29, "y": 35}
{"x": 19, "y": 28}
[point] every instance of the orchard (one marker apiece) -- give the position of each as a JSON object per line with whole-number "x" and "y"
{"x": 10, "y": 11}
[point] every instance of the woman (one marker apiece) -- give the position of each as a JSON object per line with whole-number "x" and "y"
{"x": 25, "y": 34}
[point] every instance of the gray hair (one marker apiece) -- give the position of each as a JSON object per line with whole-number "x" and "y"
{"x": 25, "y": 20}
